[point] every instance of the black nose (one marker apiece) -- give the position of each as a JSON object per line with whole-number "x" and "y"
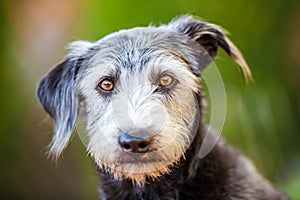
{"x": 133, "y": 144}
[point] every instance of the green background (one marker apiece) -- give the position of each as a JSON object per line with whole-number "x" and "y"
{"x": 262, "y": 119}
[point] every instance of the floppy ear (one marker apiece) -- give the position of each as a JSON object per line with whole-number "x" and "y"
{"x": 210, "y": 37}
{"x": 57, "y": 94}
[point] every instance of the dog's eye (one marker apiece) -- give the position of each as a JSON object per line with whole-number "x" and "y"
{"x": 166, "y": 80}
{"x": 106, "y": 85}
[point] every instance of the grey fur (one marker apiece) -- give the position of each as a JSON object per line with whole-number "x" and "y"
{"x": 135, "y": 59}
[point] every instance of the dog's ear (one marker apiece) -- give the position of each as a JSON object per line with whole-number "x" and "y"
{"x": 57, "y": 94}
{"x": 210, "y": 37}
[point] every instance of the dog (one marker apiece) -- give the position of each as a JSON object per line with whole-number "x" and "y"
{"x": 140, "y": 92}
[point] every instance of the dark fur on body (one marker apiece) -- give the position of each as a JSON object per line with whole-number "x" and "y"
{"x": 217, "y": 176}
{"x": 186, "y": 45}
{"x": 214, "y": 178}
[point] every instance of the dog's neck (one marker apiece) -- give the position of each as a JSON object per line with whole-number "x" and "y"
{"x": 166, "y": 186}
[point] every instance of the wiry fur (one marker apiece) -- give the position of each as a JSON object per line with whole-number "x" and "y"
{"x": 135, "y": 59}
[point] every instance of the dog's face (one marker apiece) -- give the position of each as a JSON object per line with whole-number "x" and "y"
{"x": 138, "y": 83}
{"x": 139, "y": 90}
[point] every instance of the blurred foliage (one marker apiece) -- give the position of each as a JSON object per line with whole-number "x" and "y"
{"x": 262, "y": 119}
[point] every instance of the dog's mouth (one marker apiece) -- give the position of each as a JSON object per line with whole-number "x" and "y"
{"x": 140, "y": 168}
{"x": 142, "y": 158}
{"x": 138, "y": 165}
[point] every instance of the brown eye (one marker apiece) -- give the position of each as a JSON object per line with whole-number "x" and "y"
{"x": 106, "y": 85}
{"x": 166, "y": 80}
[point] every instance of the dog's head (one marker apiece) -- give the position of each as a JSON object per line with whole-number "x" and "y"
{"x": 138, "y": 88}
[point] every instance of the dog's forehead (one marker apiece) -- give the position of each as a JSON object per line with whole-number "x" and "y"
{"x": 147, "y": 38}
{"x": 138, "y": 46}
{"x": 148, "y": 51}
